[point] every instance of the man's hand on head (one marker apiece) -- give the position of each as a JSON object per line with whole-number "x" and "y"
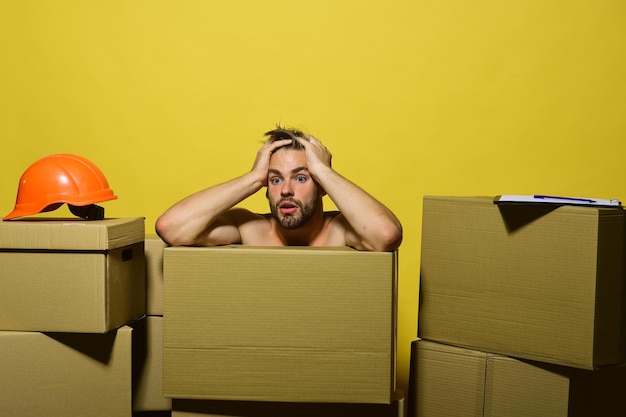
{"x": 318, "y": 157}
{"x": 262, "y": 162}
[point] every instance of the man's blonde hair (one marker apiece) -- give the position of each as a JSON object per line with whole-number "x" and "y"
{"x": 281, "y": 133}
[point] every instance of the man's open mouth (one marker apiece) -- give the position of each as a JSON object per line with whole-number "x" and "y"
{"x": 287, "y": 207}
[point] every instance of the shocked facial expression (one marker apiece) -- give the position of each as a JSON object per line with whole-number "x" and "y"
{"x": 292, "y": 193}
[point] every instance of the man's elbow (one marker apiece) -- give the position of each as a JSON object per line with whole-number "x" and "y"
{"x": 387, "y": 240}
{"x": 391, "y": 240}
{"x": 168, "y": 232}
{"x": 162, "y": 229}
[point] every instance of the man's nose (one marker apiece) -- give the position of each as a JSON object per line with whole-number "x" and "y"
{"x": 286, "y": 189}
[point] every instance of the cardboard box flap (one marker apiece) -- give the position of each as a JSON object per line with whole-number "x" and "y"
{"x": 292, "y": 289}
{"x": 71, "y": 234}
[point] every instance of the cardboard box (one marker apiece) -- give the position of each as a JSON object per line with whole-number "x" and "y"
{"x": 154, "y": 275}
{"x": 148, "y": 365}
{"x": 539, "y": 282}
{"x": 449, "y": 381}
{"x": 445, "y": 381}
{"x": 65, "y": 374}
{"x": 213, "y": 408}
{"x": 279, "y": 324}
{"x": 71, "y": 275}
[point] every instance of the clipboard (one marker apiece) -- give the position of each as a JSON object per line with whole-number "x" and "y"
{"x": 556, "y": 200}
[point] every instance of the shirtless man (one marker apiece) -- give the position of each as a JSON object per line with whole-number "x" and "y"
{"x": 296, "y": 169}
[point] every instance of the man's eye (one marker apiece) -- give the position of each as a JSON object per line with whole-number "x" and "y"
{"x": 301, "y": 178}
{"x": 274, "y": 180}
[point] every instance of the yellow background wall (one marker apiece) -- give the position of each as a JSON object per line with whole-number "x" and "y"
{"x": 413, "y": 97}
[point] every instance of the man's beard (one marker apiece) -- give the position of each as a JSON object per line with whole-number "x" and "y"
{"x": 291, "y": 221}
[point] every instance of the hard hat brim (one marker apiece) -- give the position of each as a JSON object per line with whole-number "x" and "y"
{"x": 21, "y": 211}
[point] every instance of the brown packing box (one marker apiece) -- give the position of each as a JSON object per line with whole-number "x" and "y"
{"x": 71, "y": 275}
{"x": 148, "y": 365}
{"x": 65, "y": 374}
{"x": 217, "y": 408}
{"x": 279, "y": 324}
{"x": 449, "y": 381}
{"x": 154, "y": 275}
{"x": 538, "y": 282}
{"x": 445, "y": 381}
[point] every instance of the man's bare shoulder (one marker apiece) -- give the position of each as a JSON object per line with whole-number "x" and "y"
{"x": 240, "y": 216}
{"x": 340, "y": 232}
{"x": 253, "y": 228}
{"x": 335, "y": 229}
{"x": 334, "y": 217}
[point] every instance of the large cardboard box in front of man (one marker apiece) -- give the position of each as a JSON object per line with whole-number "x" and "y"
{"x": 279, "y": 324}
{"x": 71, "y": 275}
{"x": 540, "y": 282}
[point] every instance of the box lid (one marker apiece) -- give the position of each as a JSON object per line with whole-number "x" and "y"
{"x": 71, "y": 234}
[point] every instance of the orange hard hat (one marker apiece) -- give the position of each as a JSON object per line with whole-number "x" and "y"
{"x": 57, "y": 179}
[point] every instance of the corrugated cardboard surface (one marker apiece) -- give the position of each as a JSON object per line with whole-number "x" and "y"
{"x": 456, "y": 382}
{"x": 65, "y": 375}
{"x": 154, "y": 275}
{"x": 148, "y": 365}
{"x": 71, "y": 234}
{"x": 82, "y": 281}
{"x": 533, "y": 389}
{"x": 515, "y": 388}
{"x": 212, "y": 408}
{"x": 446, "y": 381}
{"x": 279, "y": 324}
{"x": 538, "y": 282}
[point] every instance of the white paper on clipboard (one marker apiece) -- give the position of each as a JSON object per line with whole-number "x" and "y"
{"x": 557, "y": 200}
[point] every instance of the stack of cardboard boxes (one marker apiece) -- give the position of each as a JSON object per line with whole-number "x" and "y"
{"x": 68, "y": 289}
{"x": 99, "y": 319}
{"x": 246, "y": 331}
{"x": 522, "y": 311}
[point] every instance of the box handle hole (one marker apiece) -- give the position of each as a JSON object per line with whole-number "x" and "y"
{"x": 127, "y": 255}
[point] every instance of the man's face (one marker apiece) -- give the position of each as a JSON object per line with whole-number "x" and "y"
{"x": 292, "y": 193}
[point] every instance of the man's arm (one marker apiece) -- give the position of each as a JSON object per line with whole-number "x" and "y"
{"x": 203, "y": 218}
{"x": 372, "y": 226}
